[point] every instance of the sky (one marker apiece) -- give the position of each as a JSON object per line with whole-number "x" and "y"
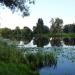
{"x": 45, "y": 9}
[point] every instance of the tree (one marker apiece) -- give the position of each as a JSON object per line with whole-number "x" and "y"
{"x": 69, "y": 28}
{"x": 46, "y": 29}
{"x": 56, "y": 25}
{"x": 16, "y": 34}
{"x": 66, "y": 29}
{"x": 6, "y": 33}
{"x": 21, "y": 5}
{"x": 40, "y": 28}
{"x": 26, "y": 34}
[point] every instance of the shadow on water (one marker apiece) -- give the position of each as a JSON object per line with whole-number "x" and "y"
{"x": 40, "y": 41}
{"x": 69, "y": 41}
{"x": 27, "y": 40}
{"x": 56, "y": 41}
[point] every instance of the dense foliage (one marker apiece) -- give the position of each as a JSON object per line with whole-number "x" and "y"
{"x": 56, "y": 25}
{"x": 22, "y": 5}
{"x": 17, "y": 33}
{"x": 69, "y": 28}
{"x": 26, "y": 34}
{"x": 40, "y": 28}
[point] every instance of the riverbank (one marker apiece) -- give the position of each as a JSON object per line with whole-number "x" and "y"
{"x": 12, "y": 62}
{"x": 63, "y": 35}
{"x": 15, "y": 69}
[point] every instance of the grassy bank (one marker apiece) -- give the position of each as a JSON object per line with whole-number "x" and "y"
{"x": 64, "y": 35}
{"x": 12, "y": 61}
{"x": 15, "y": 69}
{"x": 68, "y": 35}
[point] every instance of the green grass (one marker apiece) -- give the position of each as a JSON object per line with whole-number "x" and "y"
{"x": 64, "y": 35}
{"x": 10, "y": 53}
{"x": 41, "y": 59}
{"x": 12, "y": 61}
{"x": 68, "y": 35}
{"x": 15, "y": 69}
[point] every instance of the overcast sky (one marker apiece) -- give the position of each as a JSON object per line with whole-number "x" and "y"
{"x": 45, "y": 9}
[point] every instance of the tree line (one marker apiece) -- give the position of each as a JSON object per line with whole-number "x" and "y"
{"x": 38, "y": 30}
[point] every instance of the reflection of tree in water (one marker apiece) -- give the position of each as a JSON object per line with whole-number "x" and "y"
{"x": 40, "y": 41}
{"x": 27, "y": 40}
{"x": 69, "y": 41}
{"x": 55, "y": 41}
{"x": 38, "y": 32}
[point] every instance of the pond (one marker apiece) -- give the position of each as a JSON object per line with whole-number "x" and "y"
{"x": 64, "y": 49}
{"x": 65, "y": 62}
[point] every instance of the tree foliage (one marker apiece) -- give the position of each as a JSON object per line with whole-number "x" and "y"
{"x": 26, "y": 34}
{"x": 40, "y": 28}
{"x": 56, "y": 26}
{"x": 17, "y": 33}
{"x": 6, "y": 32}
{"x": 69, "y": 28}
{"x": 22, "y": 5}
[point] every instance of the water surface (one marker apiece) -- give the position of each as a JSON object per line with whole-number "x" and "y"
{"x": 63, "y": 49}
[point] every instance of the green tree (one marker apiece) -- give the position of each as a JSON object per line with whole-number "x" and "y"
{"x": 40, "y": 28}
{"x": 69, "y": 28}
{"x": 6, "y": 33}
{"x": 22, "y": 5}
{"x": 66, "y": 29}
{"x": 26, "y": 33}
{"x": 16, "y": 34}
{"x": 56, "y": 26}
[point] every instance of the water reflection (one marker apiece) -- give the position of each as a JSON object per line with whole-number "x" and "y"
{"x": 56, "y": 41}
{"x": 27, "y": 40}
{"x": 41, "y": 41}
{"x": 46, "y": 62}
{"x": 69, "y": 41}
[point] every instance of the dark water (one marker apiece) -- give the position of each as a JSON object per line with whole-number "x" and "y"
{"x": 64, "y": 49}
